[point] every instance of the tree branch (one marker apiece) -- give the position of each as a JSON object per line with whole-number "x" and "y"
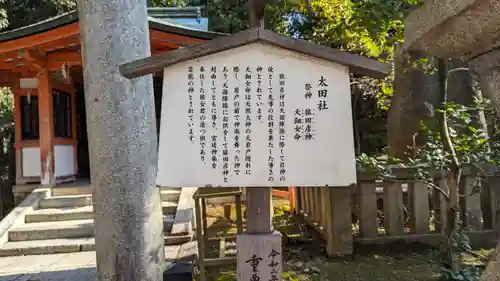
{"x": 443, "y": 122}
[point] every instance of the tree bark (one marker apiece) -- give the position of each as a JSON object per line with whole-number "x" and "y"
{"x": 122, "y": 137}
{"x": 416, "y": 95}
{"x": 453, "y": 176}
{"x": 487, "y": 67}
{"x": 414, "y": 91}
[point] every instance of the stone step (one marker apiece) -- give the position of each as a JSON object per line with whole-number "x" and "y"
{"x": 54, "y": 214}
{"x": 47, "y": 246}
{"x": 66, "y": 214}
{"x": 64, "y": 229}
{"x": 168, "y": 221}
{"x": 178, "y": 239}
{"x": 52, "y": 230}
{"x": 66, "y": 201}
{"x": 71, "y": 191}
{"x": 62, "y": 246}
{"x": 170, "y": 195}
{"x": 169, "y": 208}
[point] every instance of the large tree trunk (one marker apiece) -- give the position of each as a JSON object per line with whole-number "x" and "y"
{"x": 122, "y": 142}
{"x": 416, "y": 95}
{"x": 487, "y": 67}
{"x": 414, "y": 92}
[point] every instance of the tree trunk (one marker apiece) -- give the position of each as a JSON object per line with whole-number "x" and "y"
{"x": 487, "y": 67}
{"x": 452, "y": 176}
{"x": 416, "y": 95}
{"x": 414, "y": 91}
{"x": 122, "y": 142}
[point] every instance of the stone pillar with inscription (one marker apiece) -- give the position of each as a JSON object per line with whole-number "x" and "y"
{"x": 122, "y": 142}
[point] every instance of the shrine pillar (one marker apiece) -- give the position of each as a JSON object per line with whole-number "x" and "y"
{"x": 45, "y": 109}
{"x": 15, "y": 87}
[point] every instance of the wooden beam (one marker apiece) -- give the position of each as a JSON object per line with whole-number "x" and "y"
{"x": 57, "y": 65}
{"x": 40, "y": 39}
{"x": 9, "y": 65}
{"x": 173, "y": 39}
{"x": 36, "y": 59}
{"x": 162, "y": 44}
{"x": 24, "y": 71}
{"x": 59, "y": 44}
{"x": 65, "y": 57}
{"x": 5, "y": 78}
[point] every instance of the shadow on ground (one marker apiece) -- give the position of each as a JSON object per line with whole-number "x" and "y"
{"x": 80, "y": 274}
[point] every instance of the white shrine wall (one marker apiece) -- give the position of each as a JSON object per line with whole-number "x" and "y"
{"x": 31, "y": 164}
{"x": 314, "y": 146}
{"x": 64, "y": 158}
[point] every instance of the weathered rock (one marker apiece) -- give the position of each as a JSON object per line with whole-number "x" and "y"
{"x": 453, "y": 28}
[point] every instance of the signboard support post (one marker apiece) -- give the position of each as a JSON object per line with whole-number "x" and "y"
{"x": 260, "y": 249}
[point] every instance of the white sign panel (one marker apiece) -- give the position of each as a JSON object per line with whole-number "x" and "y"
{"x": 253, "y": 116}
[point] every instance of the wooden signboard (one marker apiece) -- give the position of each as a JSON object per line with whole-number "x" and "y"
{"x": 257, "y": 114}
{"x": 256, "y": 109}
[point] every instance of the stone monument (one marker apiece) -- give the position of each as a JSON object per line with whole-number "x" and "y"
{"x": 467, "y": 29}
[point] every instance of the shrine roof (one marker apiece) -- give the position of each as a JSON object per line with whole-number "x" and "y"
{"x": 156, "y": 19}
{"x": 357, "y": 64}
{"x": 55, "y": 42}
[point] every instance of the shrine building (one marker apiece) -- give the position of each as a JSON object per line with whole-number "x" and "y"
{"x": 42, "y": 65}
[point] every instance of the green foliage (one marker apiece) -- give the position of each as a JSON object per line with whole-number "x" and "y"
{"x": 228, "y": 16}
{"x": 25, "y": 12}
{"x": 6, "y": 106}
{"x": 366, "y": 27}
{"x": 286, "y": 275}
{"x": 472, "y": 148}
{"x": 4, "y": 21}
{"x": 469, "y": 141}
{"x": 460, "y": 244}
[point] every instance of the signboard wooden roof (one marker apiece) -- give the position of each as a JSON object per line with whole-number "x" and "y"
{"x": 357, "y": 64}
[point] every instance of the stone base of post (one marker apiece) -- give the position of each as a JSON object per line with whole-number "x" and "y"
{"x": 260, "y": 257}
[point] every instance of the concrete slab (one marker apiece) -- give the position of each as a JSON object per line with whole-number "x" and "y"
{"x": 27, "y": 264}
{"x": 82, "y": 259}
{"x": 73, "y": 266}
